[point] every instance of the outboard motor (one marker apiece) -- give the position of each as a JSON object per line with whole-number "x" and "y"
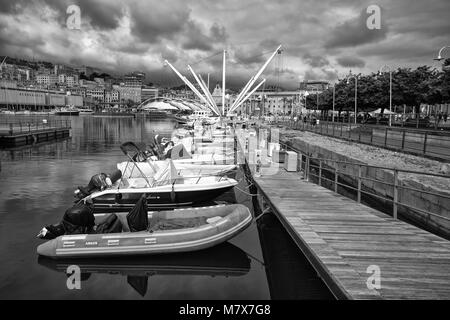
{"x": 78, "y": 219}
{"x": 98, "y": 182}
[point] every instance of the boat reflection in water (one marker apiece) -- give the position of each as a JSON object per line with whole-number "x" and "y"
{"x": 222, "y": 260}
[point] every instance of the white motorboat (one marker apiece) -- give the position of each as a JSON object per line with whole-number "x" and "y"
{"x": 165, "y": 189}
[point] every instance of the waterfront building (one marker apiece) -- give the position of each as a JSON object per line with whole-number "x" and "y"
{"x": 6, "y": 83}
{"x": 149, "y": 93}
{"x": 129, "y": 93}
{"x": 316, "y": 86}
{"x": 134, "y": 79}
{"x": 87, "y": 84}
{"x": 36, "y": 99}
{"x": 72, "y": 80}
{"x": 80, "y": 91}
{"x": 177, "y": 94}
{"x": 112, "y": 96}
{"x": 46, "y": 79}
{"x": 97, "y": 94}
{"x": 271, "y": 103}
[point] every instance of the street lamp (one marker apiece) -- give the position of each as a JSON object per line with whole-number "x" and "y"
{"x": 350, "y": 76}
{"x": 439, "y": 57}
{"x": 390, "y": 91}
{"x": 334, "y": 102}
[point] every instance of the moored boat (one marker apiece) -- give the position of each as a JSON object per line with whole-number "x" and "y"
{"x": 67, "y": 111}
{"x": 173, "y": 231}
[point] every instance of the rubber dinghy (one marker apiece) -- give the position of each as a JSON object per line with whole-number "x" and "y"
{"x": 173, "y": 231}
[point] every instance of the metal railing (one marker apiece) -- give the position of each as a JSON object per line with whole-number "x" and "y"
{"x": 426, "y": 143}
{"x": 328, "y": 170}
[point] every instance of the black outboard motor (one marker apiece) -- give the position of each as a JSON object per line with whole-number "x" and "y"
{"x": 79, "y": 219}
{"x": 98, "y": 182}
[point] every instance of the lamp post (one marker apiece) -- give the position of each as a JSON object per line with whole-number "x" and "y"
{"x": 439, "y": 57}
{"x": 356, "y": 91}
{"x": 334, "y": 102}
{"x": 390, "y": 91}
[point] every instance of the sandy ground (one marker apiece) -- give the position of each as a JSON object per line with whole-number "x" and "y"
{"x": 381, "y": 157}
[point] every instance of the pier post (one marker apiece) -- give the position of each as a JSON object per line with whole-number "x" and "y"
{"x": 403, "y": 139}
{"x": 307, "y": 168}
{"x": 320, "y": 172}
{"x": 359, "y": 184}
{"x": 336, "y": 179}
{"x": 425, "y": 143}
{"x": 385, "y": 137}
{"x": 394, "y": 207}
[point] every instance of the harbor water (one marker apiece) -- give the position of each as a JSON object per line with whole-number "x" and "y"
{"x": 36, "y": 187}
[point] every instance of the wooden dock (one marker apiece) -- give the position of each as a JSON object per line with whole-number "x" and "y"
{"x": 18, "y": 139}
{"x": 342, "y": 239}
{"x": 347, "y": 242}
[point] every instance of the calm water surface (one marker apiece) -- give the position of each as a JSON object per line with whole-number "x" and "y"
{"x": 36, "y": 187}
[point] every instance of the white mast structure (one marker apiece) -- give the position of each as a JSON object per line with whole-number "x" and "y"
{"x": 243, "y": 94}
{"x": 208, "y": 93}
{"x": 192, "y": 87}
{"x": 1, "y": 65}
{"x": 223, "y": 83}
{"x": 205, "y": 90}
{"x": 248, "y": 95}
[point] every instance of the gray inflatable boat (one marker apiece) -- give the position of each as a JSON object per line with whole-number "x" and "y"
{"x": 178, "y": 230}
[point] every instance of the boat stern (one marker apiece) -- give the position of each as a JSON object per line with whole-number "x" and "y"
{"x": 48, "y": 249}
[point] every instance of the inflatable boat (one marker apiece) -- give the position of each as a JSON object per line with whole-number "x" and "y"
{"x": 173, "y": 231}
{"x": 224, "y": 259}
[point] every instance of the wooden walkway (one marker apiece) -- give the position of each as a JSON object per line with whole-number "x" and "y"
{"x": 342, "y": 238}
{"x": 18, "y": 139}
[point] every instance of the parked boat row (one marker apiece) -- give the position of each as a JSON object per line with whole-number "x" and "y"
{"x": 150, "y": 204}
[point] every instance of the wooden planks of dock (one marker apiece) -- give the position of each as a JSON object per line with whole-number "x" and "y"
{"x": 352, "y": 246}
{"x": 342, "y": 239}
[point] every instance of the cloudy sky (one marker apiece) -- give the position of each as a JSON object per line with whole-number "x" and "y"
{"x": 322, "y": 40}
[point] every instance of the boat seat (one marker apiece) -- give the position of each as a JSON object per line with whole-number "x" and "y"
{"x": 137, "y": 183}
{"x": 157, "y": 224}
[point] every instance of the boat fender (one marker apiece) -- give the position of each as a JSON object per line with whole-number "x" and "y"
{"x": 118, "y": 197}
{"x": 173, "y": 195}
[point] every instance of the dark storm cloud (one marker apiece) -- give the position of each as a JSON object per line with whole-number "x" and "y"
{"x": 350, "y": 62}
{"x": 354, "y": 32}
{"x": 18, "y": 38}
{"x": 12, "y": 6}
{"x": 315, "y": 61}
{"x": 196, "y": 39}
{"x": 151, "y": 23}
{"x": 319, "y": 38}
{"x": 249, "y": 57}
{"x": 102, "y": 14}
{"x": 218, "y": 33}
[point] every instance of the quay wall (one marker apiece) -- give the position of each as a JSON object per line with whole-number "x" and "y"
{"x": 416, "y": 199}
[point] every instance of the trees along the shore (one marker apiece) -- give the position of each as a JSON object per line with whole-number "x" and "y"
{"x": 409, "y": 87}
